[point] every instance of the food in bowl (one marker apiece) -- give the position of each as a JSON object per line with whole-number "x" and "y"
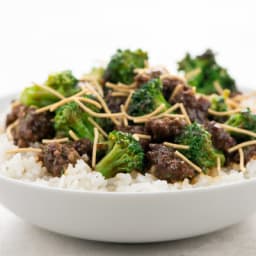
{"x": 132, "y": 127}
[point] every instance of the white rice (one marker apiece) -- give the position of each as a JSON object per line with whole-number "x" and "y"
{"x": 23, "y": 166}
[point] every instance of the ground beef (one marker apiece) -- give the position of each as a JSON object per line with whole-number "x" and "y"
{"x": 231, "y": 158}
{"x": 164, "y": 165}
{"x": 148, "y": 74}
{"x": 82, "y": 146}
{"x": 33, "y": 127}
{"x": 17, "y": 111}
{"x": 136, "y": 129}
{"x": 221, "y": 139}
{"x": 132, "y": 129}
{"x": 56, "y": 157}
{"x": 249, "y": 153}
{"x": 114, "y": 103}
{"x": 197, "y": 108}
{"x": 165, "y": 128}
{"x": 169, "y": 84}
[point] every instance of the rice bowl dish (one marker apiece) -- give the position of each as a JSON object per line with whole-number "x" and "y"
{"x": 32, "y": 158}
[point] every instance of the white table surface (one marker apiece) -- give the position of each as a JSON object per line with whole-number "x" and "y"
{"x": 22, "y": 239}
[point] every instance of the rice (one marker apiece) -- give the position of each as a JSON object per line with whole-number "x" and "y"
{"x": 25, "y": 167}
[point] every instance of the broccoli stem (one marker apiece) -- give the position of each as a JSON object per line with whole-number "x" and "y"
{"x": 112, "y": 162}
{"x": 82, "y": 129}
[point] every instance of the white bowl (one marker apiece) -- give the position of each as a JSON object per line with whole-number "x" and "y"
{"x": 129, "y": 217}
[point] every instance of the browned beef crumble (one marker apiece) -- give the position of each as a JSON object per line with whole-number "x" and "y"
{"x": 249, "y": 154}
{"x": 132, "y": 129}
{"x": 169, "y": 84}
{"x": 165, "y": 128}
{"x": 164, "y": 165}
{"x": 33, "y": 127}
{"x": 56, "y": 157}
{"x": 82, "y": 146}
{"x": 17, "y": 111}
{"x": 197, "y": 108}
{"x": 149, "y": 74}
{"x": 221, "y": 139}
{"x": 114, "y": 103}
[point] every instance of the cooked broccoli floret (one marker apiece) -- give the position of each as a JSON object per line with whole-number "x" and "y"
{"x": 218, "y": 103}
{"x": 147, "y": 98}
{"x": 63, "y": 82}
{"x": 124, "y": 155}
{"x": 71, "y": 117}
{"x": 201, "y": 150}
{"x": 245, "y": 120}
{"x": 36, "y": 96}
{"x": 203, "y": 71}
{"x": 122, "y": 64}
